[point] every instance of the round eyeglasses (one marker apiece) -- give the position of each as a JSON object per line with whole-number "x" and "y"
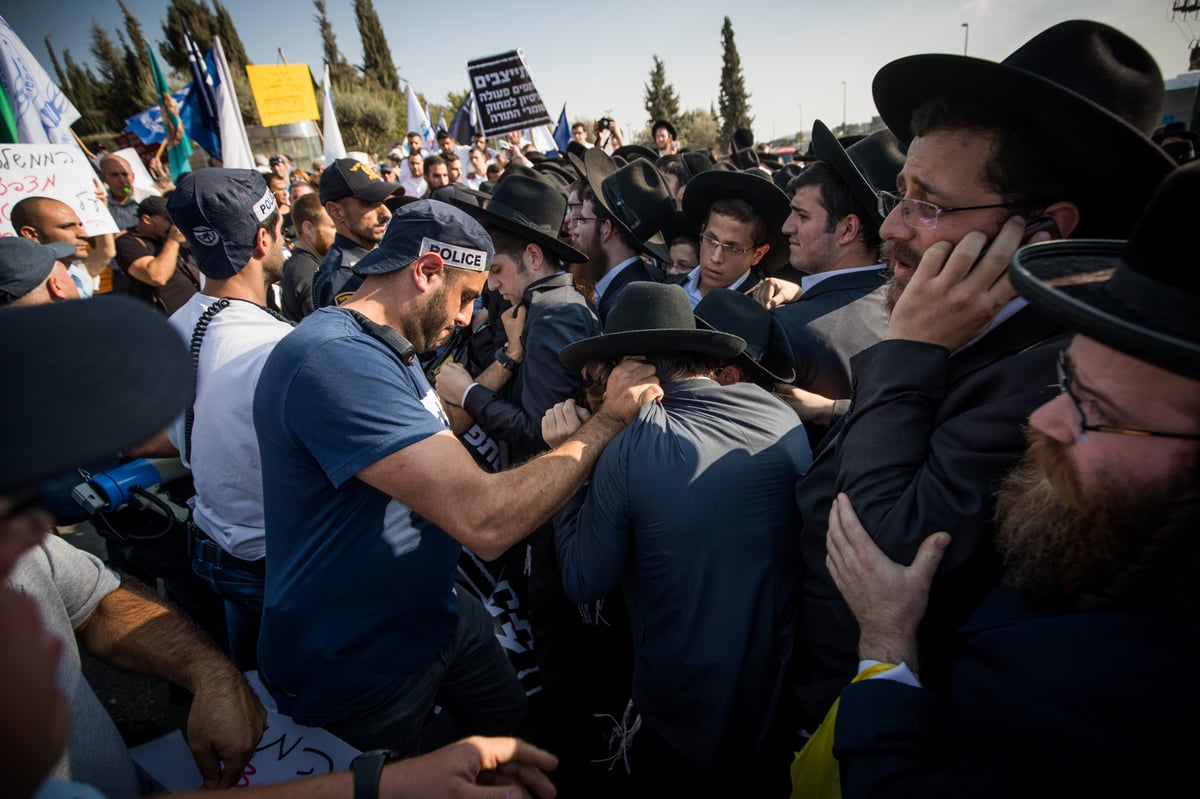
{"x": 922, "y": 215}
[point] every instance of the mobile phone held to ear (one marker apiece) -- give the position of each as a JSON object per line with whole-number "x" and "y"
{"x": 1045, "y": 223}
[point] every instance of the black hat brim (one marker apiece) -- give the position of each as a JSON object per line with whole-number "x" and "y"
{"x": 776, "y": 365}
{"x": 1087, "y": 136}
{"x": 376, "y": 192}
{"x": 1081, "y": 283}
{"x": 611, "y": 346}
{"x": 828, "y": 149}
{"x": 595, "y": 170}
{"x": 486, "y": 216}
{"x": 760, "y": 192}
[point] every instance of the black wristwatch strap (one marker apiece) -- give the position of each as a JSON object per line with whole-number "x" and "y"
{"x": 368, "y": 767}
{"x": 506, "y": 360}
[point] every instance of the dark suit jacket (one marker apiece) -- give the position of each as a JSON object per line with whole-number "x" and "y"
{"x": 556, "y": 316}
{"x": 1036, "y": 703}
{"x": 833, "y": 321}
{"x": 926, "y": 439}
{"x": 630, "y": 274}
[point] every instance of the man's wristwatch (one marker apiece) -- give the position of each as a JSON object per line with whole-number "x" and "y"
{"x": 368, "y": 768}
{"x": 506, "y": 360}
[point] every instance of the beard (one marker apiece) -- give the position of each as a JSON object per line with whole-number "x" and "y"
{"x": 425, "y": 327}
{"x": 1063, "y": 544}
{"x": 893, "y": 251}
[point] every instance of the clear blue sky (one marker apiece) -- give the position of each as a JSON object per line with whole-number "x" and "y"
{"x": 597, "y": 57}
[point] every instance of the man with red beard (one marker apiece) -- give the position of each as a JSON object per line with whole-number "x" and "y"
{"x": 938, "y": 406}
{"x": 1056, "y": 684}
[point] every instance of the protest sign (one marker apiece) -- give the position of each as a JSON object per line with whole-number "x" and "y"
{"x": 287, "y": 751}
{"x": 60, "y": 171}
{"x": 283, "y": 93}
{"x": 505, "y": 94}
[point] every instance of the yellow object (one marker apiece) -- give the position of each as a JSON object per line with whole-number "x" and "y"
{"x": 815, "y": 769}
{"x": 283, "y": 93}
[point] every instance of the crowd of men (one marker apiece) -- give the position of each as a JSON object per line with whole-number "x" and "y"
{"x": 875, "y": 474}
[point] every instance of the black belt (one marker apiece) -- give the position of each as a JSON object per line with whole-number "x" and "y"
{"x": 205, "y": 549}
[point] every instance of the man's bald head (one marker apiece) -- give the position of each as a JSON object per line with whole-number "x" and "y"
{"x": 45, "y": 219}
{"x": 118, "y": 176}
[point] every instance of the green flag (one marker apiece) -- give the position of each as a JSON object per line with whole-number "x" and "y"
{"x": 8, "y": 122}
{"x": 179, "y": 149}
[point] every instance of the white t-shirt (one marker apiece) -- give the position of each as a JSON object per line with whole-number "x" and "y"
{"x": 225, "y": 463}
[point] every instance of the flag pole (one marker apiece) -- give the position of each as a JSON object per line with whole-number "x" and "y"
{"x": 90, "y": 155}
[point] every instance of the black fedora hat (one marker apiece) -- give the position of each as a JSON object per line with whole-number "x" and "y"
{"x": 745, "y": 158}
{"x": 867, "y": 166}
{"x": 650, "y": 318}
{"x": 530, "y": 207}
{"x": 768, "y": 355}
{"x": 765, "y": 197}
{"x": 1177, "y": 130}
{"x": 636, "y": 196}
{"x": 1142, "y": 296}
{"x": 1091, "y": 92}
{"x": 662, "y": 123}
{"x": 783, "y": 176}
{"x": 631, "y": 151}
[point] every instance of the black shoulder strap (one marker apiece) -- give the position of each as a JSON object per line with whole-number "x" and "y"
{"x": 387, "y": 336}
{"x": 197, "y": 338}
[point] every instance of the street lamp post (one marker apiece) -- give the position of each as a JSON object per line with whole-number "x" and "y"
{"x": 843, "y": 108}
{"x": 966, "y": 32}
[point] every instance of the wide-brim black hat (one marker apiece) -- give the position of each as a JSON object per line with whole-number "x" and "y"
{"x": 57, "y": 353}
{"x": 869, "y": 165}
{"x": 1091, "y": 92}
{"x": 632, "y": 151}
{"x": 662, "y": 123}
{"x": 756, "y": 189}
{"x": 638, "y": 201}
{"x": 530, "y": 207}
{"x": 650, "y": 318}
{"x": 1140, "y": 297}
{"x": 768, "y": 355}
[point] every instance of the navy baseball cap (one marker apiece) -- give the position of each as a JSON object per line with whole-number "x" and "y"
{"x": 349, "y": 177}
{"x": 25, "y": 264}
{"x": 429, "y": 226}
{"x": 218, "y": 211}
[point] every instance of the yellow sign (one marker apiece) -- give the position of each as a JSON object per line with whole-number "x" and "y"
{"x": 283, "y": 94}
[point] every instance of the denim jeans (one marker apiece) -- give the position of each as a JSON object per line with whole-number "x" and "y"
{"x": 471, "y": 679}
{"x": 243, "y": 595}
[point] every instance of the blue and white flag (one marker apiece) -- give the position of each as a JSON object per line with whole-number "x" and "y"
{"x": 562, "y": 131}
{"x": 199, "y": 110}
{"x": 334, "y": 148}
{"x": 418, "y": 120}
{"x": 235, "y": 146}
{"x": 43, "y": 113}
{"x": 462, "y": 127}
{"x": 148, "y": 125}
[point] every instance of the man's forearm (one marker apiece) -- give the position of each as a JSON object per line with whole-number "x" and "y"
{"x": 132, "y": 630}
{"x": 543, "y": 485}
{"x": 158, "y": 270}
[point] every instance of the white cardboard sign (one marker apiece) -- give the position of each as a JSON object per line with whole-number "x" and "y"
{"x": 60, "y": 171}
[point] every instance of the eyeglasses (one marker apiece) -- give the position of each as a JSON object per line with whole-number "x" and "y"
{"x": 919, "y": 214}
{"x": 729, "y": 249}
{"x": 1064, "y": 386}
{"x": 579, "y": 220}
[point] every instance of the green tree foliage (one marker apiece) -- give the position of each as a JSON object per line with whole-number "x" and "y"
{"x": 661, "y": 101}
{"x": 80, "y": 88}
{"x": 733, "y": 99}
{"x": 116, "y": 89}
{"x": 231, "y": 43}
{"x": 340, "y": 70}
{"x": 367, "y": 118}
{"x": 377, "y": 56}
{"x": 699, "y": 130}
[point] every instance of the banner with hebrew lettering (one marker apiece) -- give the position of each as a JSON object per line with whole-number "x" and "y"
{"x": 505, "y": 95}
{"x": 60, "y": 171}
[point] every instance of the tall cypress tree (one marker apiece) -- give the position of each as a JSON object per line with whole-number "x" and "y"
{"x": 200, "y": 22}
{"x": 377, "y": 56}
{"x": 661, "y": 102}
{"x": 340, "y": 70}
{"x": 231, "y": 43}
{"x": 733, "y": 98}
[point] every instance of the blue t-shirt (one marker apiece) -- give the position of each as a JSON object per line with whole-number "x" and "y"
{"x": 359, "y": 588}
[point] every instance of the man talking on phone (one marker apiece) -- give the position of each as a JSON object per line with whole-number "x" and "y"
{"x": 936, "y": 418}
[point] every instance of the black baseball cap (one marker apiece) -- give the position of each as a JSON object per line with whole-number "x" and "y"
{"x": 25, "y": 265}
{"x": 429, "y": 226}
{"x": 349, "y": 177}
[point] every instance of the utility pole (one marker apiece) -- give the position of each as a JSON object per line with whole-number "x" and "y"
{"x": 843, "y": 108}
{"x": 966, "y": 32}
